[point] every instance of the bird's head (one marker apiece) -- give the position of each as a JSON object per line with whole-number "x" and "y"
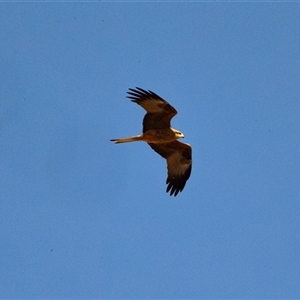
{"x": 178, "y": 134}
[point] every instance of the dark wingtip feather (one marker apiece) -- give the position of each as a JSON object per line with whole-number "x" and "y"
{"x": 141, "y": 94}
{"x": 177, "y": 184}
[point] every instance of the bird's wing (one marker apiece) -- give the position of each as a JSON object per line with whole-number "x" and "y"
{"x": 159, "y": 111}
{"x": 179, "y": 163}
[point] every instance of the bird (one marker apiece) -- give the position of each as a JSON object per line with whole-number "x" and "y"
{"x": 162, "y": 138}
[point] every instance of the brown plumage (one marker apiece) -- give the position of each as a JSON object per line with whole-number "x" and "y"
{"x": 162, "y": 138}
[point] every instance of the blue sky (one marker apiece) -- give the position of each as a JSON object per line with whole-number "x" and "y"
{"x": 82, "y": 217}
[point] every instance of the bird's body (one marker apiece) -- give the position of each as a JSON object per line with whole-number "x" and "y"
{"x": 162, "y": 138}
{"x": 155, "y": 136}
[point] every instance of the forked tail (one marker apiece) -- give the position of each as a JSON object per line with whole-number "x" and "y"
{"x": 127, "y": 140}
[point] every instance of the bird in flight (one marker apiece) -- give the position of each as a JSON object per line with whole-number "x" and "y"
{"x": 162, "y": 138}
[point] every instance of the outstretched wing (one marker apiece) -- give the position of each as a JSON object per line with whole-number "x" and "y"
{"x": 179, "y": 163}
{"x": 159, "y": 111}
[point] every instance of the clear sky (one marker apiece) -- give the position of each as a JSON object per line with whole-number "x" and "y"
{"x": 82, "y": 217}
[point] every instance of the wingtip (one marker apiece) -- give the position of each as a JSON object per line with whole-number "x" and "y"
{"x": 173, "y": 190}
